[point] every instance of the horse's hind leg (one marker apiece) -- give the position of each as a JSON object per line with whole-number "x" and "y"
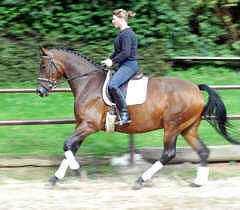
{"x": 169, "y": 152}
{"x": 191, "y": 136}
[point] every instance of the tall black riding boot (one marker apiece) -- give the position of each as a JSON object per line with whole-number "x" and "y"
{"x": 118, "y": 98}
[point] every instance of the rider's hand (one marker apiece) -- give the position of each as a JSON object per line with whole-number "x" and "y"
{"x": 107, "y": 62}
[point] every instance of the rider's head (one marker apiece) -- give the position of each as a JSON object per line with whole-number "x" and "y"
{"x": 120, "y": 17}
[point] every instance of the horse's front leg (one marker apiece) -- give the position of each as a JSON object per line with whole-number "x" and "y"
{"x": 70, "y": 148}
{"x": 69, "y": 160}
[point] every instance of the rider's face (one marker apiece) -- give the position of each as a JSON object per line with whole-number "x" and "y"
{"x": 116, "y": 21}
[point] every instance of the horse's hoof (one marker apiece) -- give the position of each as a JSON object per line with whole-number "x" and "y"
{"x": 52, "y": 182}
{"x": 195, "y": 185}
{"x": 138, "y": 184}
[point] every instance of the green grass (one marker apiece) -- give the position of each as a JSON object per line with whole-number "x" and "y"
{"x": 48, "y": 139}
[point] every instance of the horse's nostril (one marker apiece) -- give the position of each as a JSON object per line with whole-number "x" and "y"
{"x": 38, "y": 91}
{"x": 42, "y": 92}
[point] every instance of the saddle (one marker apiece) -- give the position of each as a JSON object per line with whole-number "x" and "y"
{"x": 138, "y": 75}
{"x": 133, "y": 90}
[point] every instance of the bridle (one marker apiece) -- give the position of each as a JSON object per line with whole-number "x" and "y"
{"x": 51, "y": 80}
{"x": 52, "y": 70}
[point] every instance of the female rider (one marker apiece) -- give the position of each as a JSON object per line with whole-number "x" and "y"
{"x": 125, "y": 55}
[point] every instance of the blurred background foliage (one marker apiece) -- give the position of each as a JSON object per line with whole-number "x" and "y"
{"x": 165, "y": 28}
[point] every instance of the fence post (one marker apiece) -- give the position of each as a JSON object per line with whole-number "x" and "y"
{"x": 132, "y": 149}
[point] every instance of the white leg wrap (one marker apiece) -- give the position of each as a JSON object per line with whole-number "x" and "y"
{"x": 71, "y": 160}
{"x": 151, "y": 171}
{"x": 202, "y": 176}
{"x": 60, "y": 173}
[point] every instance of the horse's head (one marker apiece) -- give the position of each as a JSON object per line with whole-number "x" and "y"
{"x": 50, "y": 72}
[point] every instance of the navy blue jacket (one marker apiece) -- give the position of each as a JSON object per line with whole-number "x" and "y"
{"x": 125, "y": 46}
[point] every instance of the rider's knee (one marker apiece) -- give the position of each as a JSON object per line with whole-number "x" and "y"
{"x": 112, "y": 86}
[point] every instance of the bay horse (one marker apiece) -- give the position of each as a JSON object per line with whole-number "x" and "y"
{"x": 173, "y": 104}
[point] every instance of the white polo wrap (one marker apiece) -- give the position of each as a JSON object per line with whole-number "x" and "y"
{"x": 202, "y": 176}
{"x": 60, "y": 173}
{"x": 73, "y": 164}
{"x": 151, "y": 171}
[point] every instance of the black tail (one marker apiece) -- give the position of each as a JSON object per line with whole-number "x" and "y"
{"x": 215, "y": 113}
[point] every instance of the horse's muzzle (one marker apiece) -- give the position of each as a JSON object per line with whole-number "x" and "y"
{"x": 42, "y": 92}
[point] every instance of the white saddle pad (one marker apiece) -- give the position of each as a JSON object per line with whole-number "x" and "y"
{"x": 136, "y": 91}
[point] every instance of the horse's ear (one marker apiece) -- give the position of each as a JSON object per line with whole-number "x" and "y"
{"x": 44, "y": 51}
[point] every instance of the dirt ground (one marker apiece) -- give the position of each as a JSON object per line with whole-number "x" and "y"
{"x": 24, "y": 188}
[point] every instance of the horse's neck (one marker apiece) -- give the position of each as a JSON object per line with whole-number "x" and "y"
{"x": 82, "y": 84}
{"x": 74, "y": 67}
{"x": 86, "y": 86}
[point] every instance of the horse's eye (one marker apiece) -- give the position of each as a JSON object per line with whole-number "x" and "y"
{"x": 43, "y": 67}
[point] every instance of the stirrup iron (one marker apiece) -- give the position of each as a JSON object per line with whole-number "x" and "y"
{"x": 124, "y": 118}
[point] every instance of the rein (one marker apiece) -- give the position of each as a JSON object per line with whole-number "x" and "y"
{"x": 78, "y": 76}
{"x": 51, "y": 72}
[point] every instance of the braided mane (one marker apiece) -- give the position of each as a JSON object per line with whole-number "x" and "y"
{"x": 73, "y": 52}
